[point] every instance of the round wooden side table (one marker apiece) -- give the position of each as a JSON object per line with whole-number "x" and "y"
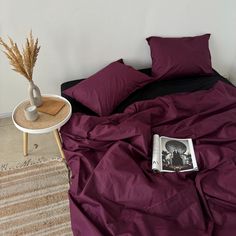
{"x": 45, "y": 122}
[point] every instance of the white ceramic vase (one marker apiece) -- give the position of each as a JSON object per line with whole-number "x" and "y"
{"x": 34, "y": 94}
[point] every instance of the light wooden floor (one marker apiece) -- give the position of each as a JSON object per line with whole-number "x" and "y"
{"x": 11, "y": 143}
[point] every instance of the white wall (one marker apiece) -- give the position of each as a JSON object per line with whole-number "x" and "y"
{"x": 78, "y": 37}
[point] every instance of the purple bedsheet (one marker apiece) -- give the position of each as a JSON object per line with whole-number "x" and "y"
{"x": 113, "y": 190}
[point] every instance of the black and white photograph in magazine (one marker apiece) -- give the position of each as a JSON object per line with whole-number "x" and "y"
{"x": 176, "y": 155}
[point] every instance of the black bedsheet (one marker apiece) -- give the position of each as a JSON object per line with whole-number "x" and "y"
{"x": 152, "y": 90}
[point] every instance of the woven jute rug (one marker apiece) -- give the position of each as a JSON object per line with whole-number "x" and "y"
{"x": 34, "y": 198}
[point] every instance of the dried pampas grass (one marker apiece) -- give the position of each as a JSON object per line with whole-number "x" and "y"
{"x": 24, "y": 62}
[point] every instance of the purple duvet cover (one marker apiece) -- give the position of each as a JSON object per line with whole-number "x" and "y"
{"x": 113, "y": 190}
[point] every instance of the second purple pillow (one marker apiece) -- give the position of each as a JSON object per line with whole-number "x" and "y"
{"x": 184, "y": 56}
{"x": 107, "y": 88}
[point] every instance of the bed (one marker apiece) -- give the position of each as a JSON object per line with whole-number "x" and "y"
{"x": 113, "y": 190}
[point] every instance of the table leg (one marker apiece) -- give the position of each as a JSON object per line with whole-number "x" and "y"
{"x": 58, "y": 140}
{"x": 25, "y": 144}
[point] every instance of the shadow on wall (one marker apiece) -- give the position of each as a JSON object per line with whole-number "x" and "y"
{"x": 232, "y": 72}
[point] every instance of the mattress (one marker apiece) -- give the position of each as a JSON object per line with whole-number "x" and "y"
{"x": 113, "y": 190}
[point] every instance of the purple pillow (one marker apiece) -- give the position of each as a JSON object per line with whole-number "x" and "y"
{"x": 173, "y": 57}
{"x": 104, "y": 90}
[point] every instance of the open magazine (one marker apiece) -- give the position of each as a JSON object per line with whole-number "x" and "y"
{"x": 172, "y": 154}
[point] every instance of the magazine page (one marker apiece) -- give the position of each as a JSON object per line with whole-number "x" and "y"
{"x": 177, "y": 155}
{"x": 156, "y": 153}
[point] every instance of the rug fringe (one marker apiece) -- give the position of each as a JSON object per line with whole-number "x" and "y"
{"x": 29, "y": 162}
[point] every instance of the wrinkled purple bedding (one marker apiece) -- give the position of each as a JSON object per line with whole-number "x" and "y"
{"x": 113, "y": 190}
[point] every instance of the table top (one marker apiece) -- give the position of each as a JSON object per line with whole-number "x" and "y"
{"x": 45, "y": 122}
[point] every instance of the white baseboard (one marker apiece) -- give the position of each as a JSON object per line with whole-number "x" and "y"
{"x": 5, "y": 115}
